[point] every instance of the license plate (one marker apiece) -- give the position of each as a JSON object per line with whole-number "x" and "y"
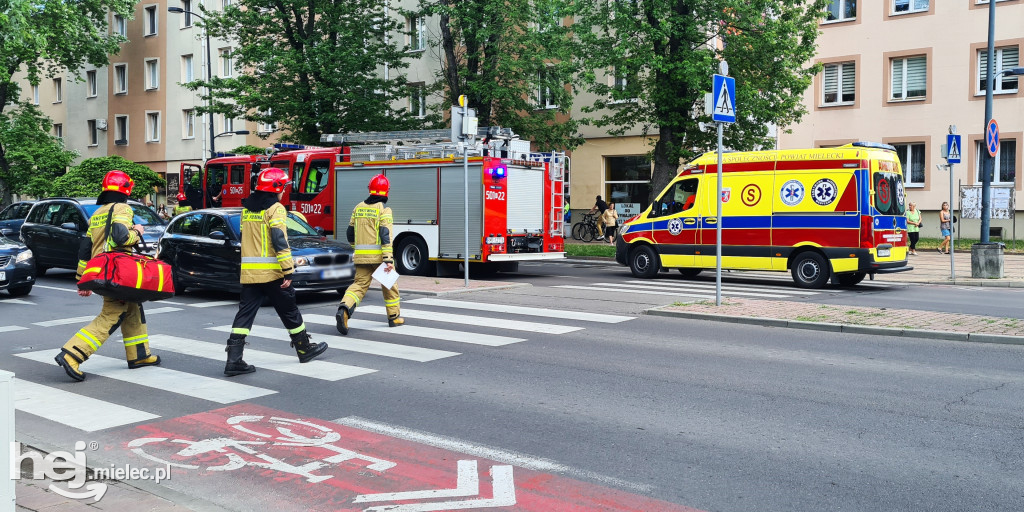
{"x": 336, "y": 273}
{"x": 883, "y": 253}
{"x": 3, "y": 276}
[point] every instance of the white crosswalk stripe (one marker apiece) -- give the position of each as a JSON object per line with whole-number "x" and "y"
{"x": 88, "y": 318}
{"x": 652, "y": 289}
{"x": 352, "y": 344}
{"x": 685, "y": 285}
{"x": 489, "y": 340}
{"x": 521, "y": 310}
{"x": 9, "y": 328}
{"x": 479, "y": 321}
{"x": 80, "y": 411}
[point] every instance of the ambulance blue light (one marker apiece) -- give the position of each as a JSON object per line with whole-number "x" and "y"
{"x": 876, "y": 145}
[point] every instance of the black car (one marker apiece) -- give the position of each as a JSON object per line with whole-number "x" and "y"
{"x": 204, "y": 248}
{"x": 17, "y": 267}
{"x": 55, "y": 227}
{"x": 12, "y": 217}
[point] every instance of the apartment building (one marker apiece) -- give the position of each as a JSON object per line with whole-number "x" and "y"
{"x": 901, "y": 72}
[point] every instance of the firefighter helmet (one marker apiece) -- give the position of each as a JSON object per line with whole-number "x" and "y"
{"x": 118, "y": 181}
{"x": 272, "y": 180}
{"x": 379, "y": 185}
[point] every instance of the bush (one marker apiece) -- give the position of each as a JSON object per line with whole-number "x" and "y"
{"x": 84, "y": 179}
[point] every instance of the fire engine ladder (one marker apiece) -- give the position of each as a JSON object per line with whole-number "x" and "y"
{"x": 556, "y": 172}
{"x": 413, "y": 136}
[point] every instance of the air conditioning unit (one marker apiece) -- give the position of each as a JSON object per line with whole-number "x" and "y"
{"x": 101, "y": 124}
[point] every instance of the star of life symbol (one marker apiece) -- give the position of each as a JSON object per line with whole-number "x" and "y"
{"x": 792, "y": 193}
{"x": 824, "y": 192}
{"x": 675, "y": 226}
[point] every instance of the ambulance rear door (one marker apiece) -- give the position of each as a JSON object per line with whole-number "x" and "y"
{"x": 888, "y": 204}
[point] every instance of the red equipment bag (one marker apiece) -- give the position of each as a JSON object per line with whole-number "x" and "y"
{"x": 128, "y": 277}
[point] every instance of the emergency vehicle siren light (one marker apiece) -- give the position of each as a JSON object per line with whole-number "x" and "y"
{"x": 498, "y": 172}
{"x": 876, "y": 145}
{"x": 283, "y": 146}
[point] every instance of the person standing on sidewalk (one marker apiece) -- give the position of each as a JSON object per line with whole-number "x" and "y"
{"x": 110, "y": 230}
{"x": 946, "y": 226}
{"x": 369, "y": 231}
{"x": 267, "y": 267}
{"x": 610, "y": 219}
{"x": 913, "y": 226}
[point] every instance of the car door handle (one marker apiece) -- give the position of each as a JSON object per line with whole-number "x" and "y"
{"x": 711, "y": 220}
{"x": 689, "y": 221}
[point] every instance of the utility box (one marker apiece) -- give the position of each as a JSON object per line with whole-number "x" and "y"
{"x": 987, "y": 260}
{"x": 6, "y": 440}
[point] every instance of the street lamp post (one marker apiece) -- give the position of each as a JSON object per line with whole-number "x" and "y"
{"x": 209, "y": 71}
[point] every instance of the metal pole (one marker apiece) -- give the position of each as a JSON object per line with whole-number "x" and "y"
{"x": 465, "y": 190}
{"x": 209, "y": 80}
{"x": 987, "y": 162}
{"x": 718, "y": 226}
{"x": 952, "y": 240}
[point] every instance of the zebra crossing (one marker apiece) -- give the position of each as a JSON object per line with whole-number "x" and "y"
{"x": 700, "y": 290}
{"x": 448, "y": 324}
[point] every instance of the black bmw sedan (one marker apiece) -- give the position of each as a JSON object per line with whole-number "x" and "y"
{"x": 17, "y": 267}
{"x": 205, "y": 250}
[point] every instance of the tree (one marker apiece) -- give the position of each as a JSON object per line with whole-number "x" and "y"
{"x": 33, "y": 157}
{"x": 660, "y": 55}
{"x": 312, "y": 66}
{"x": 44, "y": 37}
{"x": 84, "y": 179}
{"x": 248, "y": 149}
{"x": 513, "y": 60}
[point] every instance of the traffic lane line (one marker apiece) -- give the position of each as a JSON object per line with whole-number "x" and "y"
{"x": 72, "y": 409}
{"x": 729, "y": 286}
{"x": 487, "y": 340}
{"x": 10, "y": 328}
{"x": 89, "y": 318}
{"x": 352, "y": 344}
{"x": 523, "y": 310}
{"x": 481, "y": 321}
{"x": 635, "y": 287}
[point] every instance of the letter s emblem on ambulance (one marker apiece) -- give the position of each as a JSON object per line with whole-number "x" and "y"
{"x": 751, "y": 195}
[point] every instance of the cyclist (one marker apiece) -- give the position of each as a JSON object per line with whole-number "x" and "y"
{"x": 599, "y": 206}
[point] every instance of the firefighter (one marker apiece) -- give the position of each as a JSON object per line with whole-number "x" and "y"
{"x": 129, "y": 316}
{"x": 266, "y": 269}
{"x": 369, "y": 230}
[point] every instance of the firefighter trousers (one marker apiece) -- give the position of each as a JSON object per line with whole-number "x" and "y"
{"x": 283, "y": 300}
{"x": 129, "y": 317}
{"x": 357, "y": 290}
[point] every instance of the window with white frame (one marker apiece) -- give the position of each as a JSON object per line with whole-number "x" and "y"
{"x": 545, "y": 97}
{"x": 620, "y": 83}
{"x": 92, "y": 132}
{"x": 120, "y": 78}
{"x": 150, "y": 20}
{"x": 91, "y": 88}
{"x": 1005, "y": 168}
{"x": 58, "y": 90}
{"x": 152, "y": 74}
{"x": 840, "y": 83}
{"x": 417, "y": 100}
{"x": 186, "y": 6}
{"x": 187, "y": 69}
{"x": 911, "y": 157}
{"x": 58, "y": 130}
{"x": 35, "y": 94}
{"x": 909, "y": 6}
{"x": 152, "y": 126}
{"x": 842, "y": 10}
{"x": 267, "y": 127}
{"x": 120, "y": 25}
{"x": 225, "y": 62}
{"x": 188, "y": 124}
{"x": 417, "y": 33}
{"x": 1006, "y": 57}
{"x": 909, "y": 78}
{"x": 228, "y": 124}
{"x": 224, "y": 4}
{"x": 121, "y": 130}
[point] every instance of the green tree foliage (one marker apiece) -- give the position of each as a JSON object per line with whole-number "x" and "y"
{"x": 666, "y": 51}
{"x": 84, "y": 179}
{"x": 44, "y": 37}
{"x": 312, "y": 66}
{"x": 33, "y": 157}
{"x": 248, "y": 149}
{"x": 513, "y": 59}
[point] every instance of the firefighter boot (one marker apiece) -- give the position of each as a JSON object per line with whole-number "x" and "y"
{"x": 342, "y": 316}
{"x": 235, "y": 364}
{"x": 304, "y": 349}
{"x": 138, "y": 355}
{"x": 73, "y": 354}
{"x": 395, "y": 321}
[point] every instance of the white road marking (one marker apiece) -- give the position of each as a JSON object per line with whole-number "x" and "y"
{"x": 503, "y": 494}
{"x": 323, "y": 370}
{"x": 479, "y": 321}
{"x": 473, "y": 338}
{"x": 18, "y": 301}
{"x": 164, "y": 379}
{"x": 730, "y": 287}
{"x": 642, "y": 292}
{"x": 9, "y": 328}
{"x": 72, "y": 290}
{"x": 78, "y": 411}
{"x": 467, "y": 483}
{"x": 214, "y": 304}
{"x": 353, "y": 344}
{"x": 631, "y": 287}
{"x": 522, "y": 310}
{"x": 89, "y": 318}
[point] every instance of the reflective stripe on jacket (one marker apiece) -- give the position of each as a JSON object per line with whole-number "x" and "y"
{"x": 371, "y": 225}
{"x": 266, "y": 255}
{"x": 120, "y": 238}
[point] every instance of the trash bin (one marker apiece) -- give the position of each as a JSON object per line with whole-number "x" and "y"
{"x": 987, "y": 260}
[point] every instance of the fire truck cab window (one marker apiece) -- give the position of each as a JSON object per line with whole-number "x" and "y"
{"x": 288, "y": 169}
{"x": 678, "y": 198}
{"x": 237, "y": 174}
{"x": 316, "y": 178}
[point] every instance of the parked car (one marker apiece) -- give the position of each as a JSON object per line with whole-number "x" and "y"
{"x": 55, "y": 227}
{"x": 12, "y": 217}
{"x": 17, "y": 267}
{"x": 205, "y": 250}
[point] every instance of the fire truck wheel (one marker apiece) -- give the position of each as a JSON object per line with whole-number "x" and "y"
{"x": 810, "y": 270}
{"x": 689, "y": 273}
{"x": 411, "y": 257}
{"x": 643, "y": 262}
{"x": 851, "y": 279}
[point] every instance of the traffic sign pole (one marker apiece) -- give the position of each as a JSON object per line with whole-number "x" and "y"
{"x": 954, "y": 151}
{"x": 723, "y": 93}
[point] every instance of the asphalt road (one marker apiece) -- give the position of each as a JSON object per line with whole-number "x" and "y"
{"x": 705, "y": 415}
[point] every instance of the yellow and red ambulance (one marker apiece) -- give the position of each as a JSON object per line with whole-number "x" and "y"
{"x": 831, "y": 213}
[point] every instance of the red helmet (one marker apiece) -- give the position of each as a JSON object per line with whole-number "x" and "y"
{"x": 273, "y": 180}
{"x": 379, "y": 185}
{"x": 118, "y": 181}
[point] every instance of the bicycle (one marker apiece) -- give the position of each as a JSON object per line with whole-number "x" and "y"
{"x": 586, "y": 229}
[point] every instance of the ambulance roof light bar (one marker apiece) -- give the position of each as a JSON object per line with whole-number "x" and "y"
{"x": 875, "y": 145}
{"x": 416, "y": 136}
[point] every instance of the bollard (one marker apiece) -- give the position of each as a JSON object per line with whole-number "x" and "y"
{"x": 6, "y": 440}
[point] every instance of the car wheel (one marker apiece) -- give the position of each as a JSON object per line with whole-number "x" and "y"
{"x": 851, "y": 279}
{"x": 411, "y": 257}
{"x": 643, "y": 262}
{"x": 690, "y": 273}
{"x": 41, "y": 269}
{"x": 810, "y": 270}
{"x": 19, "y": 291}
{"x": 179, "y": 285}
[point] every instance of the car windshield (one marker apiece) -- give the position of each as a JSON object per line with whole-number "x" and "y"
{"x": 143, "y": 215}
{"x": 296, "y": 227}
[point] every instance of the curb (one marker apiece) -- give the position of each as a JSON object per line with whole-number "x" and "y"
{"x": 1002, "y": 339}
{"x": 462, "y": 291}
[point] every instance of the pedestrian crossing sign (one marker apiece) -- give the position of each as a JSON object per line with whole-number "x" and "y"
{"x": 724, "y": 94}
{"x": 953, "y": 148}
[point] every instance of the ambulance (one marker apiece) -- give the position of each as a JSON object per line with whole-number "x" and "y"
{"x": 822, "y": 214}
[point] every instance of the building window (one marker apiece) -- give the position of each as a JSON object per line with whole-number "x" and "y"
{"x": 840, "y": 83}
{"x": 417, "y": 38}
{"x": 1005, "y": 164}
{"x": 909, "y": 6}
{"x": 545, "y": 97}
{"x": 228, "y": 124}
{"x": 35, "y": 94}
{"x": 269, "y": 127}
{"x": 120, "y": 78}
{"x": 225, "y": 62}
{"x": 152, "y": 127}
{"x": 187, "y": 70}
{"x": 120, "y": 26}
{"x": 58, "y": 131}
{"x": 842, "y": 10}
{"x": 58, "y": 90}
{"x": 92, "y": 132}
{"x": 912, "y": 161}
{"x": 150, "y": 20}
{"x": 187, "y": 18}
{"x": 417, "y": 100}
{"x": 1005, "y": 58}
{"x": 152, "y": 74}
{"x": 628, "y": 181}
{"x": 91, "y": 89}
{"x": 121, "y": 130}
{"x": 224, "y": 4}
{"x": 909, "y": 78}
{"x": 188, "y": 124}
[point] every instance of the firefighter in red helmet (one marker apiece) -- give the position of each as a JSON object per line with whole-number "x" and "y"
{"x": 267, "y": 267}
{"x": 369, "y": 232}
{"x": 121, "y": 236}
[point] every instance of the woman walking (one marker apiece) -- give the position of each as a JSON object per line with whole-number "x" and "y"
{"x": 913, "y": 226}
{"x": 946, "y": 226}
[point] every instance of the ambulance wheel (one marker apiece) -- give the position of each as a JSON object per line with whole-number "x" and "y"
{"x": 643, "y": 262}
{"x": 690, "y": 273}
{"x": 810, "y": 270}
{"x": 851, "y": 279}
{"x": 411, "y": 257}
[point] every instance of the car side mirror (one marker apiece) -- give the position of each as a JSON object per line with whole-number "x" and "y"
{"x": 320, "y": 231}
{"x": 218, "y": 235}
{"x": 70, "y": 226}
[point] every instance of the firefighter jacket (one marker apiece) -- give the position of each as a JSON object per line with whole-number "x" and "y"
{"x": 369, "y": 232}
{"x": 266, "y": 255}
{"x": 121, "y": 236}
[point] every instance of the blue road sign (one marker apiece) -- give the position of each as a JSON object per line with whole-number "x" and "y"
{"x": 723, "y": 90}
{"x": 953, "y": 146}
{"x": 992, "y": 137}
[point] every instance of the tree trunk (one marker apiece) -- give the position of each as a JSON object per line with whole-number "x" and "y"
{"x": 665, "y": 165}
{"x": 451, "y": 66}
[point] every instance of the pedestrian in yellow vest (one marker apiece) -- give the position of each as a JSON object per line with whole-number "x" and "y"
{"x": 129, "y": 316}
{"x": 369, "y": 231}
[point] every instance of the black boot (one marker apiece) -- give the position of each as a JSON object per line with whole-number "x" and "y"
{"x": 235, "y": 364}
{"x": 342, "y": 316}
{"x": 304, "y": 349}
